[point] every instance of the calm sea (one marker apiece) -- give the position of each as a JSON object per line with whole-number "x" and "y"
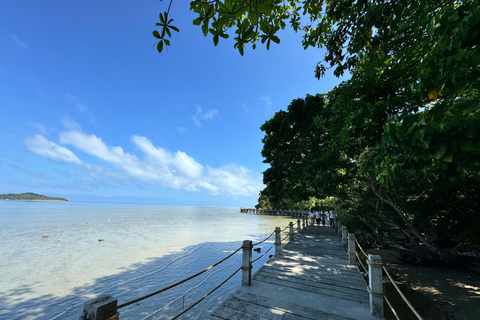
{"x": 56, "y": 255}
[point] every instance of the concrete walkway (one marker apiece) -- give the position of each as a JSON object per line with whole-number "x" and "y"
{"x": 311, "y": 280}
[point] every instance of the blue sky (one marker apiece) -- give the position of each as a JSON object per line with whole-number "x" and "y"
{"x": 91, "y": 111}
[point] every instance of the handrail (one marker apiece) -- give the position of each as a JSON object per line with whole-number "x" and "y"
{"x": 264, "y": 253}
{"x": 271, "y": 234}
{"x": 401, "y": 294}
{"x": 361, "y": 249}
{"x": 391, "y": 308}
{"x": 201, "y": 299}
{"x": 391, "y": 280}
{"x": 361, "y": 263}
{"x": 176, "y": 284}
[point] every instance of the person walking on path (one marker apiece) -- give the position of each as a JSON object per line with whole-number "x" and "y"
{"x": 312, "y": 217}
{"x": 332, "y": 216}
{"x": 317, "y": 218}
{"x": 324, "y": 217}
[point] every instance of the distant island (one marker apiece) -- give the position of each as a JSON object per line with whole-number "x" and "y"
{"x": 29, "y": 196}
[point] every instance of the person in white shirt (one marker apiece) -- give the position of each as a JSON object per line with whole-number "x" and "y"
{"x": 312, "y": 217}
{"x": 332, "y": 215}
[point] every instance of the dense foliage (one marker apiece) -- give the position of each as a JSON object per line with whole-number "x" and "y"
{"x": 28, "y": 196}
{"x": 398, "y": 144}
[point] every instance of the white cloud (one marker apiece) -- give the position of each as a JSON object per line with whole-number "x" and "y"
{"x": 154, "y": 165}
{"x": 232, "y": 179}
{"x": 94, "y": 146}
{"x": 200, "y": 116}
{"x": 19, "y": 43}
{"x": 179, "y": 162}
{"x": 40, "y": 145}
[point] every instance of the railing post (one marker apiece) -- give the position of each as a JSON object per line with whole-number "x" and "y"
{"x": 303, "y": 222}
{"x": 278, "y": 241}
{"x": 351, "y": 249}
{"x": 292, "y": 234}
{"x": 339, "y": 227}
{"x": 103, "y": 307}
{"x": 375, "y": 284}
{"x": 344, "y": 236}
{"x": 298, "y": 225}
{"x": 247, "y": 263}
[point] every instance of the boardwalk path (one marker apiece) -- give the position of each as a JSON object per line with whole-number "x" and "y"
{"x": 311, "y": 280}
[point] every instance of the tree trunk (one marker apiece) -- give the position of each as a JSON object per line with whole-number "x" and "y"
{"x": 429, "y": 244}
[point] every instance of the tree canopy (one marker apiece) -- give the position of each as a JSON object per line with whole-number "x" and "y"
{"x": 398, "y": 144}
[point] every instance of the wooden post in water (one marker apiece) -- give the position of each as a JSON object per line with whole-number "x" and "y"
{"x": 344, "y": 236}
{"x": 351, "y": 249}
{"x": 278, "y": 241}
{"x": 375, "y": 284}
{"x": 247, "y": 263}
{"x": 292, "y": 234}
{"x": 298, "y": 226}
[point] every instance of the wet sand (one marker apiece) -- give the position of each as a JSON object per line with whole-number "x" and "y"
{"x": 436, "y": 292}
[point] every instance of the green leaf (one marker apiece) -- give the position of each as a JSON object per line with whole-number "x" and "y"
{"x": 198, "y": 21}
{"x": 215, "y": 40}
{"x": 205, "y": 28}
{"x": 240, "y": 49}
{"x": 275, "y": 39}
{"x": 174, "y": 28}
{"x": 440, "y": 152}
{"x": 160, "y": 46}
{"x": 447, "y": 158}
{"x": 467, "y": 148}
{"x": 167, "y": 42}
{"x": 156, "y": 34}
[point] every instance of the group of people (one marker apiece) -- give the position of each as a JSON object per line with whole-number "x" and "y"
{"x": 322, "y": 216}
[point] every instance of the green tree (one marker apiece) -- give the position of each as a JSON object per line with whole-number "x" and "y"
{"x": 388, "y": 141}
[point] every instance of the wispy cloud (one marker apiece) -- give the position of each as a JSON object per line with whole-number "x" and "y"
{"x": 200, "y": 116}
{"x": 244, "y": 107}
{"x": 40, "y": 145}
{"x": 80, "y": 106}
{"x": 182, "y": 130}
{"x": 267, "y": 103}
{"x": 40, "y": 127}
{"x": 19, "y": 43}
{"x": 151, "y": 164}
{"x": 39, "y": 175}
{"x": 70, "y": 124}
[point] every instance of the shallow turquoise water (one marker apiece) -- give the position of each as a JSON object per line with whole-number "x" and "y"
{"x": 51, "y": 259}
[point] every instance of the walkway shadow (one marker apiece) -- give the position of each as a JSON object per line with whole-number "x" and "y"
{"x": 140, "y": 279}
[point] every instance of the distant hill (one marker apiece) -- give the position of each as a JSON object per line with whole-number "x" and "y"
{"x": 29, "y": 196}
